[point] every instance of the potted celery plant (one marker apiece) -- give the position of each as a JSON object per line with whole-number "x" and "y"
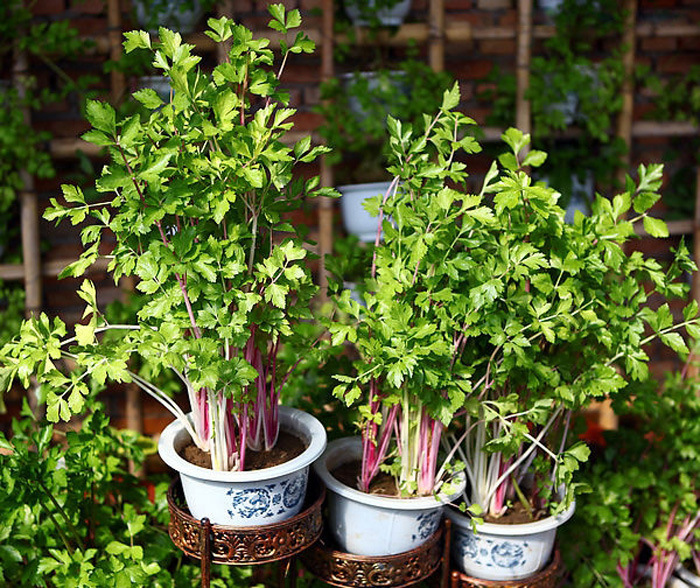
{"x": 561, "y": 317}
{"x": 642, "y": 518}
{"x": 407, "y": 382}
{"x": 198, "y": 191}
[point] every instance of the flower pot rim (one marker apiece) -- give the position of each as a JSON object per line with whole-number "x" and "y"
{"x": 363, "y": 186}
{"x": 512, "y": 530}
{"x": 291, "y": 419}
{"x": 351, "y": 447}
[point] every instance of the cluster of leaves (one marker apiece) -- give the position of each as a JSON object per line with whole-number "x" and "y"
{"x": 198, "y": 193}
{"x": 560, "y": 310}
{"x": 676, "y": 98}
{"x": 74, "y": 516}
{"x": 355, "y": 110}
{"x": 491, "y": 301}
{"x": 415, "y": 304}
{"x": 20, "y": 145}
{"x": 644, "y": 487}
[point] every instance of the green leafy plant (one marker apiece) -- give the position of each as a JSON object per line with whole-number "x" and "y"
{"x": 407, "y": 381}
{"x": 198, "y": 193}
{"x": 73, "y": 515}
{"x": 559, "y": 318}
{"x": 641, "y": 518}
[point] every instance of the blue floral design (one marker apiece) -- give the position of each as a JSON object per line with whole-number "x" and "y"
{"x": 294, "y": 491}
{"x": 249, "y": 503}
{"x": 507, "y": 555}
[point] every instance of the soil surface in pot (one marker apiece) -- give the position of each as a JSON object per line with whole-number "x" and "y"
{"x": 516, "y": 515}
{"x": 288, "y": 447}
{"x": 348, "y": 474}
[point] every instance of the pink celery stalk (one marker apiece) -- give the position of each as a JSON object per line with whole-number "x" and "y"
{"x": 373, "y": 449}
{"x": 429, "y": 443}
{"x": 498, "y": 502}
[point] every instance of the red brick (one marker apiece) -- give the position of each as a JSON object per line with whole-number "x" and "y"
{"x": 472, "y": 70}
{"x": 676, "y": 63}
{"x": 458, "y": 5}
{"x": 493, "y": 4}
{"x": 651, "y": 4}
{"x": 49, "y": 7}
{"x": 655, "y": 44}
{"x": 312, "y": 96}
{"x": 90, "y": 25}
{"x": 690, "y": 44}
{"x": 89, "y": 6}
{"x": 261, "y": 6}
{"x": 306, "y": 5}
{"x": 509, "y": 19}
{"x": 497, "y": 47}
{"x": 241, "y": 7}
{"x": 302, "y": 72}
{"x": 306, "y": 121}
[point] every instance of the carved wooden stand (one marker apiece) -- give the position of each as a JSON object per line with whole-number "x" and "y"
{"x": 547, "y": 578}
{"x": 359, "y": 571}
{"x": 235, "y": 546}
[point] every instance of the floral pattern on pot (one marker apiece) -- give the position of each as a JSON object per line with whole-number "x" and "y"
{"x": 503, "y": 552}
{"x": 488, "y": 552}
{"x": 269, "y": 500}
{"x": 428, "y": 523}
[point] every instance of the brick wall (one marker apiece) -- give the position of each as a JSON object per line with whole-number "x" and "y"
{"x": 469, "y": 62}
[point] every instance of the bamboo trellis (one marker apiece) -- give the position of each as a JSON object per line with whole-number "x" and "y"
{"x": 437, "y": 33}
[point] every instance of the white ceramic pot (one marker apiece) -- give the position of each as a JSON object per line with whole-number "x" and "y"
{"x": 684, "y": 578}
{"x": 249, "y": 498}
{"x": 367, "y": 524}
{"x": 503, "y": 552}
{"x": 388, "y": 17}
{"x": 172, "y": 14}
{"x": 356, "y": 219}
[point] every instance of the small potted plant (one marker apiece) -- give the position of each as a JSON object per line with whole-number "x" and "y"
{"x": 376, "y": 13}
{"x": 642, "y": 517}
{"x": 355, "y": 109}
{"x": 179, "y": 15}
{"x": 560, "y": 311}
{"x": 386, "y": 488}
{"x": 198, "y": 191}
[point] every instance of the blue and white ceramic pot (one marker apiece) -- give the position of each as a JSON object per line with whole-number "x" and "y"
{"x": 372, "y": 525}
{"x": 503, "y": 552}
{"x": 249, "y": 498}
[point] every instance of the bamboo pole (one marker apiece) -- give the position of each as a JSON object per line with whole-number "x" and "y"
{"x": 437, "y": 35}
{"x": 114, "y": 27}
{"x": 325, "y": 206}
{"x": 693, "y": 368}
{"x": 29, "y": 210}
{"x": 626, "y": 116}
{"x": 524, "y": 52}
{"x": 29, "y": 218}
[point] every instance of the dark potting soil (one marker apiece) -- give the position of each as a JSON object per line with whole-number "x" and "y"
{"x": 348, "y": 473}
{"x": 288, "y": 446}
{"x": 516, "y": 515}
